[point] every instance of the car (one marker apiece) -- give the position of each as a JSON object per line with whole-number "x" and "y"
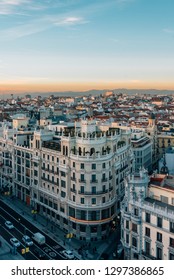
{"x": 39, "y": 253}
{"x": 27, "y": 240}
{"x": 9, "y": 225}
{"x": 15, "y": 242}
{"x": 69, "y": 254}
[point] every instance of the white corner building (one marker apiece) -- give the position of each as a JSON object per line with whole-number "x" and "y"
{"x": 147, "y": 217}
{"x": 74, "y": 176}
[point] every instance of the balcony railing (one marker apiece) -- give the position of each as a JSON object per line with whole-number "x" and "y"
{"x": 93, "y": 193}
{"x": 94, "y": 181}
{"x": 74, "y": 191}
{"x": 73, "y": 179}
{"x": 104, "y": 179}
{"x": 82, "y": 181}
{"x": 147, "y": 255}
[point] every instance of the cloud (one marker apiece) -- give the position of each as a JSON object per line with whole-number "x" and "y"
{"x": 39, "y": 25}
{"x": 9, "y": 7}
{"x": 70, "y": 21}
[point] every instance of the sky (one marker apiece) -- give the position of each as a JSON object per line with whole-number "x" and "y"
{"x": 85, "y": 44}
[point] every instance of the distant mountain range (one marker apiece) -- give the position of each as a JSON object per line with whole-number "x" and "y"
{"x": 93, "y": 92}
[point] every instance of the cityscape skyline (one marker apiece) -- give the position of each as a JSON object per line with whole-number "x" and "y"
{"x": 79, "y": 45}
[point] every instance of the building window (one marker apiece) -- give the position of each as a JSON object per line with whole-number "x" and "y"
{"x": 74, "y": 187}
{"x": 159, "y": 222}
{"x": 164, "y": 199}
{"x": 127, "y": 238}
{"x": 147, "y": 232}
{"x": 82, "y": 200}
{"x": 127, "y": 224}
{"x": 134, "y": 242}
{"x": 63, "y": 194}
{"x": 103, "y": 200}
{"x": 82, "y": 189}
{"x": 82, "y": 177}
{"x": 93, "y": 190}
{"x": 93, "y": 215}
{"x": 63, "y": 174}
{"x": 63, "y": 184}
{"x": 104, "y": 165}
{"x": 35, "y": 182}
{"x": 82, "y": 166}
{"x": 74, "y": 164}
{"x": 93, "y": 166}
{"x": 147, "y": 217}
{"x": 134, "y": 228}
{"x": 93, "y": 200}
{"x": 171, "y": 227}
{"x": 52, "y": 158}
{"x": 135, "y": 211}
{"x": 159, "y": 237}
{"x": 147, "y": 247}
{"x": 171, "y": 242}
{"x": 93, "y": 178}
{"x": 74, "y": 198}
{"x": 158, "y": 253}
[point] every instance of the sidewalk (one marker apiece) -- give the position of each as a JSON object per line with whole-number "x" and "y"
{"x": 89, "y": 251}
{"x": 5, "y": 251}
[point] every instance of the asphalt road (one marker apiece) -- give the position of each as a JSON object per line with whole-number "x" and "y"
{"x": 22, "y": 226}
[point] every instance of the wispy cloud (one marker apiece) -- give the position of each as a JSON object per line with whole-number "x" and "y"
{"x": 9, "y": 7}
{"x": 39, "y": 25}
{"x": 70, "y": 21}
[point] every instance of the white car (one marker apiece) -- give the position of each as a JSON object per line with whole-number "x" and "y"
{"x": 9, "y": 225}
{"x": 68, "y": 254}
{"x": 27, "y": 240}
{"x": 15, "y": 242}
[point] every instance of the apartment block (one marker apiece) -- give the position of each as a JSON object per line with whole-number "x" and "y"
{"x": 147, "y": 213}
{"x": 74, "y": 176}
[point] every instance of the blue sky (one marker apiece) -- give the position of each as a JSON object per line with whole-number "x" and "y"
{"x": 118, "y": 43}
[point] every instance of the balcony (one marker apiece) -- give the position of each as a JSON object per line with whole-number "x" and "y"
{"x": 74, "y": 191}
{"x": 147, "y": 256}
{"x": 126, "y": 215}
{"x": 94, "y": 181}
{"x": 136, "y": 219}
{"x": 82, "y": 181}
{"x": 104, "y": 179}
{"x": 73, "y": 179}
{"x": 94, "y": 206}
{"x": 93, "y": 193}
